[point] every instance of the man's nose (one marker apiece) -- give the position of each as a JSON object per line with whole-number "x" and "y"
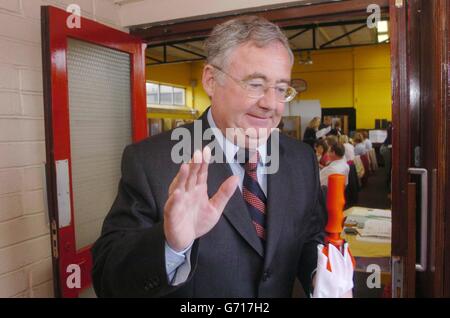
{"x": 269, "y": 100}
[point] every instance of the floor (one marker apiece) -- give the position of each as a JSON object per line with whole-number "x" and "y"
{"x": 375, "y": 193}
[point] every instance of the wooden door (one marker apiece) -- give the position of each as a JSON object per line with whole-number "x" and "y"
{"x": 419, "y": 141}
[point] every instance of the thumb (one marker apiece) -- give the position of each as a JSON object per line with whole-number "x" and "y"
{"x": 223, "y": 195}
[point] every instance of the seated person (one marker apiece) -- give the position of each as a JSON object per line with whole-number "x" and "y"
{"x": 331, "y": 140}
{"x": 338, "y": 164}
{"x": 321, "y": 148}
{"x": 367, "y": 141}
{"x": 349, "y": 149}
{"x": 360, "y": 146}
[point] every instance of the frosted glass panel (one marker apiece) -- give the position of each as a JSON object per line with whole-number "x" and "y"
{"x": 100, "y": 128}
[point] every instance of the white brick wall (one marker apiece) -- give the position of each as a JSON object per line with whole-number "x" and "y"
{"x": 10, "y": 5}
{"x": 25, "y": 255}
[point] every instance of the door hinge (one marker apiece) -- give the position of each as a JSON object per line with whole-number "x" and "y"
{"x": 54, "y": 237}
{"x": 399, "y": 3}
{"x": 397, "y": 277}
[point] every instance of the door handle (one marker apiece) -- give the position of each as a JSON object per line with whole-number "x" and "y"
{"x": 423, "y": 173}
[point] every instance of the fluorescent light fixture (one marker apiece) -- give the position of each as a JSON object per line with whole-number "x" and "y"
{"x": 382, "y": 26}
{"x": 382, "y": 37}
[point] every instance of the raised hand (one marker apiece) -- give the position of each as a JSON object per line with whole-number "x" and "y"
{"x": 189, "y": 213}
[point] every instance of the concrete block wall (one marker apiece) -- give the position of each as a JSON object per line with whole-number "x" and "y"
{"x": 25, "y": 255}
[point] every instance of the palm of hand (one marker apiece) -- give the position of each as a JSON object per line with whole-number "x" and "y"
{"x": 189, "y": 213}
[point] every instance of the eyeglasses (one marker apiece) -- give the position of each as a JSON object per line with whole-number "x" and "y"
{"x": 257, "y": 88}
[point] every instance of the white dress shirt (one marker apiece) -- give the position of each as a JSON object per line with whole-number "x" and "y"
{"x": 230, "y": 150}
{"x": 349, "y": 152}
{"x": 178, "y": 264}
{"x": 335, "y": 167}
{"x": 368, "y": 144}
{"x": 360, "y": 149}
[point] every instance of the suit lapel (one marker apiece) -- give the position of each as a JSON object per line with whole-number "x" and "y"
{"x": 277, "y": 198}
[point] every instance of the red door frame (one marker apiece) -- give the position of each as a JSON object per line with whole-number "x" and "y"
{"x": 55, "y": 34}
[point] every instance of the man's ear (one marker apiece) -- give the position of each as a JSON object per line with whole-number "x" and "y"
{"x": 208, "y": 79}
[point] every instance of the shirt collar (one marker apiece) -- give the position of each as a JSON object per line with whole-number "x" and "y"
{"x": 339, "y": 161}
{"x": 229, "y": 148}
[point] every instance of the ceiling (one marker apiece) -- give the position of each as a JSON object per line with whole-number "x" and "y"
{"x": 309, "y": 25}
{"x": 151, "y": 12}
{"x": 304, "y": 38}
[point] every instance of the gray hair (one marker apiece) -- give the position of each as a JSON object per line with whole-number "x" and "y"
{"x": 229, "y": 35}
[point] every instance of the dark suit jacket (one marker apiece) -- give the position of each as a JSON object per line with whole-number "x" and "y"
{"x": 229, "y": 261}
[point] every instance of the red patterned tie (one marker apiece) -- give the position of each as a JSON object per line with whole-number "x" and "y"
{"x": 254, "y": 197}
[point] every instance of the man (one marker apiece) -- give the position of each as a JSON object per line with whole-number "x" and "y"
{"x": 219, "y": 229}
{"x": 367, "y": 141}
{"x": 338, "y": 164}
{"x": 327, "y": 121}
{"x": 336, "y": 131}
{"x": 324, "y": 128}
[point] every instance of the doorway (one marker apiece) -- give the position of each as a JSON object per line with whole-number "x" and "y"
{"x": 343, "y": 65}
{"x": 414, "y": 264}
{"x": 416, "y": 81}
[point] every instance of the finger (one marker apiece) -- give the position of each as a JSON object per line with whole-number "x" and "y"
{"x": 223, "y": 195}
{"x": 179, "y": 182}
{"x": 194, "y": 167}
{"x": 203, "y": 173}
{"x": 172, "y": 202}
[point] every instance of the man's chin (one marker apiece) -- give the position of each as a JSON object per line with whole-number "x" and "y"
{"x": 252, "y": 138}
